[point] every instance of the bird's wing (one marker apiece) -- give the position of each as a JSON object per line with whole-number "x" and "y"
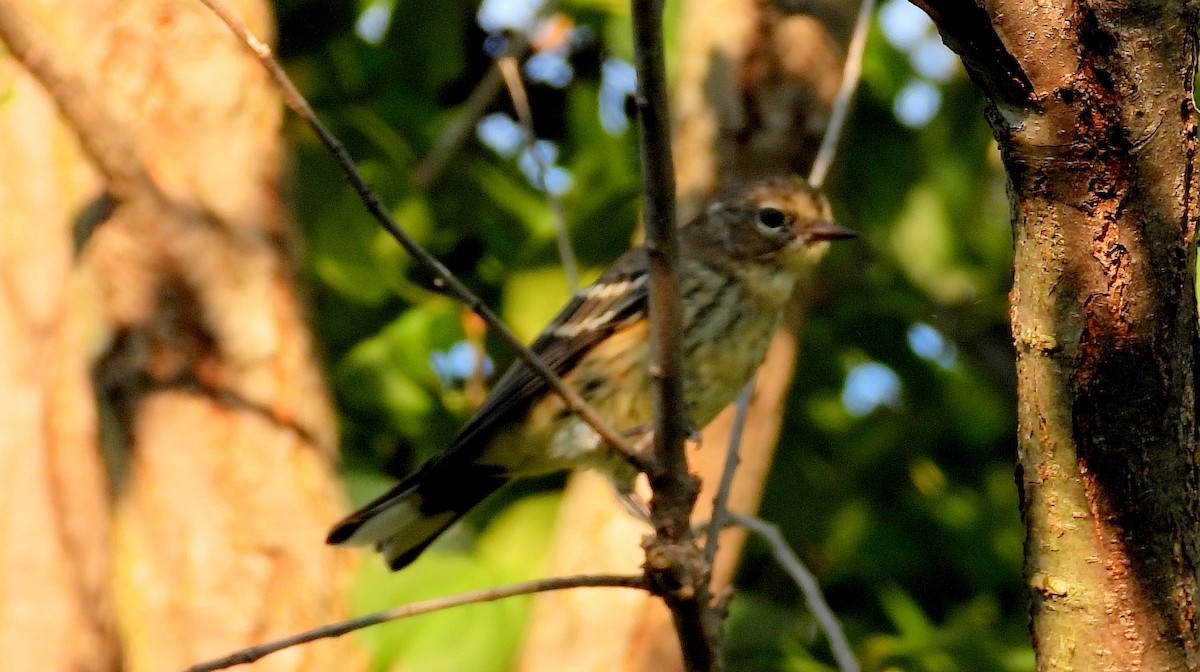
{"x": 617, "y": 299}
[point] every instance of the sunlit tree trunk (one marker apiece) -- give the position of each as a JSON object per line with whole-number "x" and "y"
{"x": 756, "y": 82}
{"x": 1092, "y": 105}
{"x": 55, "y": 602}
{"x": 206, "y": 534}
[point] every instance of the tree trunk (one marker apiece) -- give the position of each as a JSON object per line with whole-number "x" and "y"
{"x": 1092, "y": 105}
{"x": 756, "y": 83}
{"x": 55, "y": 602}
{"x": 218, "y": 430}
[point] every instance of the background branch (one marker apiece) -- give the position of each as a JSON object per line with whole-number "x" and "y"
{"x": 756, "y": 83}
{"x": 851, "y": 71}
{"x": 106, "y": 142}
{"x": 511, "y": 71}
{"x": 808, "y": 586}
{"x": 195, "y": 252}
{"x": 459, "y": 129}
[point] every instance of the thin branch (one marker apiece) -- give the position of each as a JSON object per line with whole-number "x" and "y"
{"x": 251, "y": 654}
{"x": 516, "y": 90}
{"x": 851, "y": 71}
{"x": 673, "y": 562}
{"x": 808, "y": 587}
{"x": 455, "y": 135}
{"x": 720, "y": 511}
{"x": 459, "y": 129}
{"x": 671, "y": 493}
{"x": 444, "y": 278}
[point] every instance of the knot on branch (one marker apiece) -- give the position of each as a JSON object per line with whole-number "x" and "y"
{"x": 675, "y": 570}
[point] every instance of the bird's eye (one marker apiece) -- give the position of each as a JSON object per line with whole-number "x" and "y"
{"x": 771, "y": 218}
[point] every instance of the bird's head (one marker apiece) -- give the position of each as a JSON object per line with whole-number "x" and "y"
{"x": 781, "y": 221}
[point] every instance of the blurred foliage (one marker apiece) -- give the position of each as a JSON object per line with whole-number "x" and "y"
{"x": 905, "y": 507}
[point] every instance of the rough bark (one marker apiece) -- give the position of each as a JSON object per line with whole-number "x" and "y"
{"x": 756, "y": 83}
{"x": 1092, "y": 105}
{"x": 216, "y": 424}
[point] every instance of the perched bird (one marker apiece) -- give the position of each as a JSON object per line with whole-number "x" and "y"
{"x": 739, "y": 262}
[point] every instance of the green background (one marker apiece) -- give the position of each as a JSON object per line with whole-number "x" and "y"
{"x": 894, "y": 479}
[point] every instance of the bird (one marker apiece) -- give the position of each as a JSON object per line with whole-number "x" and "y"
{"x": 739, "y": 262}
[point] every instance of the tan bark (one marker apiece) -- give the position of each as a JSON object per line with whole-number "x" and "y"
{"x": 55, "y": 603}
{"x": 755, "y": 88}
{"x": 1092, "y": 105}
{"x": 218, "y": 427}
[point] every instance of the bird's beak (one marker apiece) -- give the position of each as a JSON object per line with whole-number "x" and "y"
{"x": 826, "y": 230}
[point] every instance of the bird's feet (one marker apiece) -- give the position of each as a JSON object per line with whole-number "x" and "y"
{"x": 634, "y": 505}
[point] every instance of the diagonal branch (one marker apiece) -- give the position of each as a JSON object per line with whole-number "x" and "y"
{"x": 720, "y": 513}
{"x": 851, "y": 72}
{"x": 370, "y": 199}
{"x": 459, "y": 129}
{"x": 808, "y": 587}
{"x": 511, "y": 71}
{"x": 251, "y": 654}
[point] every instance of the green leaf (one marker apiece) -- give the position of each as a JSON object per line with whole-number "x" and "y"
{"x": 905, "y": 613}
{"x": 473, "y": 638}
{"x": 508, "y": 190}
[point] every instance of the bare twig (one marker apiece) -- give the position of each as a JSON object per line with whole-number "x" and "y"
{"x": 516, "y": 90}
{"x": 374, "y": 205}
{"x": 510, "y": 70}
{"x": 675, "y": 489}
{"x": 251, "y": 654}
{"x": 720, "y": 511}
{"x": 808, "y": 587}
{"x": 459, "y": 129}
{"x": 673, "y": 562}
{"x": 851, "y": 71}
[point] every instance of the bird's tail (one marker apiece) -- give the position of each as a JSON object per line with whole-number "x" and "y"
{"x": 402, "y": 522}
